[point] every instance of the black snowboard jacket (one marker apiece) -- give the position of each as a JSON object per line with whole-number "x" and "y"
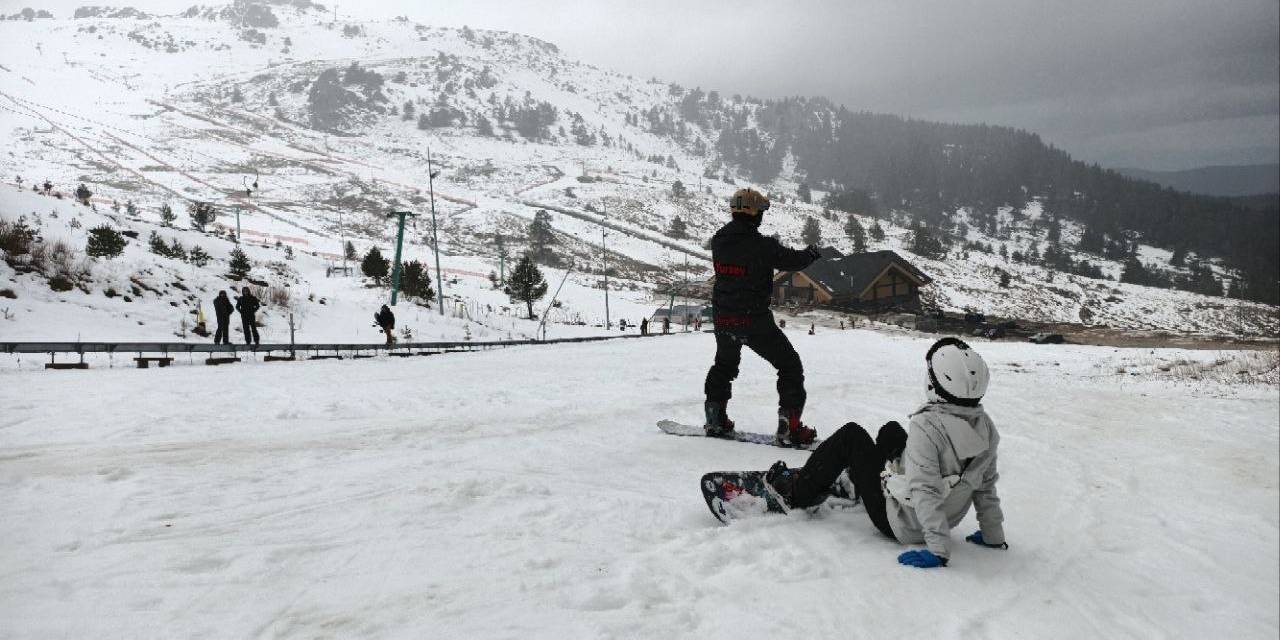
{"x": 247, "y": 304}
{"x": 385, "y": 319}
{"x": 222, "y": 308}
{"x": 744, "y": 264}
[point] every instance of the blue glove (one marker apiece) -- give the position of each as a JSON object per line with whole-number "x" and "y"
{"x": 976, "y": 538}
{"x": 922, "y": 558}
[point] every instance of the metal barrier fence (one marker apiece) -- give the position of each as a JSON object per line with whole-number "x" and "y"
{"x": 232, "y": 351}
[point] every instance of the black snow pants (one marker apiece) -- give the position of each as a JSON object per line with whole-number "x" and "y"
{"x": 223, "y": 334}
{"x": 250, "y": 328}
{"x": 767, "y": 340}
{"x": 852, "y": 448}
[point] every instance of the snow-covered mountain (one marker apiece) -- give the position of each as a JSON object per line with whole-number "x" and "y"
{"x": 332, "y": 121}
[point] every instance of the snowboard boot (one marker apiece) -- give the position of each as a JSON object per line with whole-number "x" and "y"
{"x": 718, "y": 424}
{"x": 782, "y": 481}
{"x": 792, "y": 432}
{"x": 844, "y": 489}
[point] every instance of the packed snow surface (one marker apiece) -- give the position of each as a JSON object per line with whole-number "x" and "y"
{"x": 527, "y": 493}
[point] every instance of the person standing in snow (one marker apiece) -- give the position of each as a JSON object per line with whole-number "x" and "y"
{"x": 917, "y": 485}
{"x": 386, "y": 321}
{"x": 222, "y": 312}
{"x": 247, "y": 304}
{"x": 745, "y": 261}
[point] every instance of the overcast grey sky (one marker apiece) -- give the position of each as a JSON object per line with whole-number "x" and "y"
{"x": 1157, "y": 84}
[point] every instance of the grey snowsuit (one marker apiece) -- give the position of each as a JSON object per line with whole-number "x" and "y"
{"x": 949, "y": 464}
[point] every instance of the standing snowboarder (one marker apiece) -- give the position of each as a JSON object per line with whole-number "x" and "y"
{"x": 247, "y": 304}
{"x": 222, "y": 312}
{"x": 386, "y": 321}
{"x": 744, "y": 263}
{"x": 932, "y": 474}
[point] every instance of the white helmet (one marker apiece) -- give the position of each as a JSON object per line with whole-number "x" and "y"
{"x": 957, "y": 374}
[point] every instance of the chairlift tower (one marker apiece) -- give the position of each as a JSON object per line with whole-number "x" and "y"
{"x": 435, "y": 240}
{"x": 604, "y": 258}
{"x": 395, "y": 270}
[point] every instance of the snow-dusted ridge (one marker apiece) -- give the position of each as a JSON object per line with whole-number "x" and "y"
{"x": 197, "y": 105}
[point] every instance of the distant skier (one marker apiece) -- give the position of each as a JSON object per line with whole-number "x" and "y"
{"x": 387, "y": 322}
{"x": 247, "y": 304}
{"x": 644, "y": 326}
{"x": 222, "y": 313}
{"x": 932, "y": 473}
{"x": 666, "y": 325}
{"x": 744, "y": 263}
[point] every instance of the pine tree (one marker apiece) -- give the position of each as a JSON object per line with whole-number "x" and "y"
{"x": 176, "y": 250}
{"x": 806, "y": 196}
{"x": 83, "y": 194}
{"x": 408, "y": 112}
{"x": 1135, "y": 273}
{"x": 678, "y": 228}
{"x": 415, "y": 282}
{"x": 349, "y": 252}
{"x": 105, "y": 242}
{"x": 677, "y": 189}
{"x": 877, "y": 232}
{"x": 526, "y": 283}
{"x": 483, "y": 126}
{"x": 1004, "y": 279}
{"x": 853, "y": 229}
{"x": 198, "y": 257}
{"x": 239, "y": 267}
{"x": 812, "y": 232}
{"x": 924, "y": 243}
{"x": 541, "y": 238}
{"x": 167, "y": 216}
{"x": 202, "y": 215}
{"x": 157, "y": 245}
{"x": 375, "y": 266}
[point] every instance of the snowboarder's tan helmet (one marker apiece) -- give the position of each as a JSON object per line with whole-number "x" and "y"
{"x": 748, "y": 201}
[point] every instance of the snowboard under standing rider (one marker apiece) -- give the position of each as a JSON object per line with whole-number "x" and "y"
{"x": 745, "y": 261}
{"x": 919, "y": 484}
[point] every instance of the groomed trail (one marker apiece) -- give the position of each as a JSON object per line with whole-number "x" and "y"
{"x": 527, "y": 493}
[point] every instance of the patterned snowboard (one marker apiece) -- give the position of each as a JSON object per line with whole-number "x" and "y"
{"x": 676, "y": 429}
{"x": 735, "y": 495}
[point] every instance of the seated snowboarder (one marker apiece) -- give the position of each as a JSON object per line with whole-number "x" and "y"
{"x": 745, "y": 261}
{"x": 932, "y": 473}
{"x": 386, "y": 321}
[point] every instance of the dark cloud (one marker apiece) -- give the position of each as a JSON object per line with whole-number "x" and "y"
{"x": 1152, "y": 83}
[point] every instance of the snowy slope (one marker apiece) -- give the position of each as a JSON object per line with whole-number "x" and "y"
{"x": 468, "y": 497}
{"x": 200, "y": 106}
{"x": 144, "y": 297}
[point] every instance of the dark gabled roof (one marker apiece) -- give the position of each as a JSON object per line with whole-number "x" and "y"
{"x": 851, "y": 274}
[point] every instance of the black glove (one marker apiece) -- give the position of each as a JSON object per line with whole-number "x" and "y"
{"x": 812, "y": 251}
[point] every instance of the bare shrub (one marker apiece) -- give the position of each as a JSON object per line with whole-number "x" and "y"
{"x": 278, "y": 297}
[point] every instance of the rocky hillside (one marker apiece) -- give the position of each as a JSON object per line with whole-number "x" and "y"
{"x": 313, "y": 130}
